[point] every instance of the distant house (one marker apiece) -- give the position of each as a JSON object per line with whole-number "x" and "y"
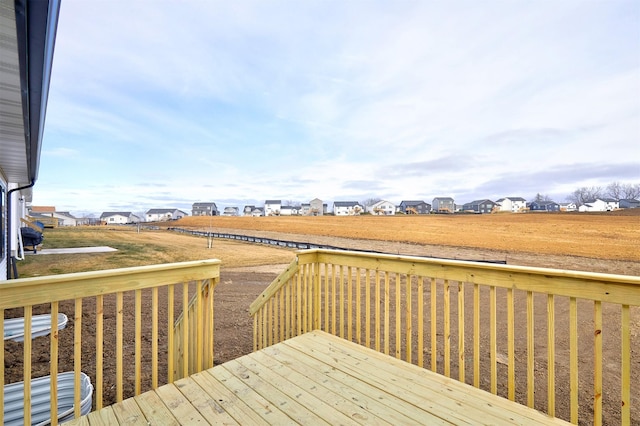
{"x": 568, "y": 207}
{"x": 512, "y": 204}
{"x": 63, "y": 218}
{"x": 414, "y": 207}
{"x": 443, "y": 205}
{"x": 629, "y": 203}
{"x": 600, "y": 205}
{"x": 231, "y": 211}
{"x": 381, "y": 208}
{"x": 204, "y": 209}
{"x": 317, "y": 207}
{"x": 257, "y": 212}
{"x": 248, "y": 210}
{"x": 272, "y": 207}
{"x": 66, "y": 219}
{"x": 118, "y": 218}
{"x": 347, "y": 208}
{"x": 157, "y": 215}
{"x": 289, "y": 211}
{"x": 479, "y": 206}
{"x": 544, "y": 206}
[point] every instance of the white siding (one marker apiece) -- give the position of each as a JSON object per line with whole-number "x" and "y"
{"x": 3, "y": 269}
{"x": 3, "y": 218}
{"x": 116, "y": 219}
{"x": 271, "y": 209}
{"x": 382, "y": 208}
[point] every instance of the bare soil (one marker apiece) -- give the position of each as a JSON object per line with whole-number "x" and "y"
{"x": 240, "y": 286}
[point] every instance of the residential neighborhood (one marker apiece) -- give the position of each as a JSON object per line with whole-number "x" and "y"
{"x": 50, "y": 216}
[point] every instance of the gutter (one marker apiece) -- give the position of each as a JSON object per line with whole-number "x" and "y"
{"x": 36, "y": 25}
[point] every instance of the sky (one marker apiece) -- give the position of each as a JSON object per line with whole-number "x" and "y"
{"x": 160, "y": 104}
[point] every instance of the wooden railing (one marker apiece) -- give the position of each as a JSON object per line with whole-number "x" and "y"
{"x": 122, "y": 328}
{"x": 555, "y": 340}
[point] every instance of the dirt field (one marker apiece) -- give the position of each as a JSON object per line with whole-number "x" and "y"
{"x": 599, "y": 243}
{"x": 542, "y": 233}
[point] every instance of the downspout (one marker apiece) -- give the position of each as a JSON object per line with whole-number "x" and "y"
{"x": 10, "y": 258}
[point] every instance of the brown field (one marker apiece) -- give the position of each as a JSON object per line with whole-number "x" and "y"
{"x": 603, "y": 236}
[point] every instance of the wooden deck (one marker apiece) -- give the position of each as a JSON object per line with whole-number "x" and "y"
{"x": 317, "y": 378}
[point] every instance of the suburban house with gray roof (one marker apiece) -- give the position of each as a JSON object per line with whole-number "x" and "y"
{"x": 600, "y": 205}
{"x": 317, "y": 207}
{"x": 231, "y": 211}
{"x": 204, "y": 209}
{"x": 512, "y": 204}
{"x": 443, "y": 205}
{"x": 156, "y": 215}
{"x": 414, "y": 207}
{"x": 119, "y": 218}
{"x": 544, "y": 206}
{"x": 568, "y": 207}
{"x": 479, "y": 206}
{"x": 272, "y": 207}
{"x": 629, "y": 203}
{"x": 347, "y": 208}
{"x": 289, "y": 211}
{"x": 50, "y": 213}
{"x": 382, "y": 208}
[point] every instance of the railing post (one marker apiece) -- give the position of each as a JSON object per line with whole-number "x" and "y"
{"x": 316, "y": 295}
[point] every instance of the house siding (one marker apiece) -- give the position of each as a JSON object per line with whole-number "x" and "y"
{"x": 443, "y": 205}
{"x": 599, "y": 205}
{"x": 382, "y": 208}
{"x": 204, "y": 209}
{"x": 479, "y": 206}
{"x": 118, "y": 218}
{"x": 347, "y": 208}
{"x": 512, "y": 204}
{"x": 231, "y": 211}
{"x": 420, "y": 207}
{"x": 272, "y": 207}
{"x": 316, "y": 207}
{"x": 546, "y": 206}
{"x": 629, "y": 204}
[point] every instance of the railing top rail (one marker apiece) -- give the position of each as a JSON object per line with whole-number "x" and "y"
{"x": 46, "y": 289}
{"x": 275, "y": 285}
{"x": 595, "y": 276}
{"x": 622, "y": 289}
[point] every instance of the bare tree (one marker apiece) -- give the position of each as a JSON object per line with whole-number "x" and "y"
{"x": 541, "y": 197}
{"x": 614, "y": 190}
{"x": 630, "y": 191}
{"x": 293, "y": 203}
{"x": 581, "y": 195}
{"x": 621, "y": 191}
{"x": 370, "y": 201}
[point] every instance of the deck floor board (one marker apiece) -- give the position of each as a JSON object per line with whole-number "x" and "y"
{"x": 342, "y": 398}
{"x": 207, "y": 406}
{"x": 317, "y": 378}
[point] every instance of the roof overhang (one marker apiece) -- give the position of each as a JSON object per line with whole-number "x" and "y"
{"x": 27, "y": 34}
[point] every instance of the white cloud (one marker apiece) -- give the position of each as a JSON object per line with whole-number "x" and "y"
{"x": 304, "y": 99}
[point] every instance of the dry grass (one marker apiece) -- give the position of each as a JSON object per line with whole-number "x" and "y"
{"x": 144, "y": 248}
{"x": 606, "y": 236}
